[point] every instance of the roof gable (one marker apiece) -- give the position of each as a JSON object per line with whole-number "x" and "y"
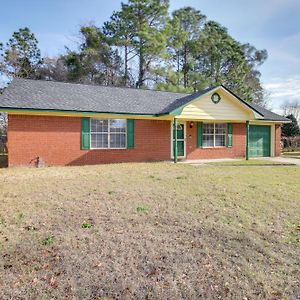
{"x": 202, "y": 107}
{"x": 258, "y": 112}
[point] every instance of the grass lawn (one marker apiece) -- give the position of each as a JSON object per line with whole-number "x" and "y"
{"x": 150, "y": 231}
{"x": 250, "y": 162}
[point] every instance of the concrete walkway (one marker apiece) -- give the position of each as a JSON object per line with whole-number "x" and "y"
{"x": 281, "y": 159}
{"x": 205, "y": 161}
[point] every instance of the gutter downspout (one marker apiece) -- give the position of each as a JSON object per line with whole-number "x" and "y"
{"x": 247, "y": 140}
{"x": 175, "y": 149}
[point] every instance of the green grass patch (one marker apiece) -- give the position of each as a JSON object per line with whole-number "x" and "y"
{"x": 87, "y": 225}
{"x": 2, "y": 220}
{"x": 142, "y": 209}
{"x": 48, "y": 241}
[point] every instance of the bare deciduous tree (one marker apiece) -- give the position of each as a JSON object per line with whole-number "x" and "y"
{"x": 291, "y": 107}
{"x": 3, "y": 123}
{"x": 52, "y": 69}
{"x": 3, "y": 132}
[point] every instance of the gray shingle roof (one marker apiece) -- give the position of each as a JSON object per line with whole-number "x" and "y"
{"x": 267, "y": 114}
{"x": 185, "y": 99}
{"x": 50, "y": 95}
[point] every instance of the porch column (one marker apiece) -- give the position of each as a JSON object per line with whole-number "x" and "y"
{"x": 247, "y": 140}
{"x": 175, "y": 150}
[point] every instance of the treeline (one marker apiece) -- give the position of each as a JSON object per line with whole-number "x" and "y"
{"x": 143, "y": 45}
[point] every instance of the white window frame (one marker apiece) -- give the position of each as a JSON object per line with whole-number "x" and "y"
{"x": 108, "y": 135}
{"x": 214, "y": 135}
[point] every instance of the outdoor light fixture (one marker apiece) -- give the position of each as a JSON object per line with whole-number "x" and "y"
{"x": 191, "y": 124}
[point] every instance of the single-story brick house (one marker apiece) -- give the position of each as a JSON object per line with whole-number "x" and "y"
{"x": 76, "y": 124}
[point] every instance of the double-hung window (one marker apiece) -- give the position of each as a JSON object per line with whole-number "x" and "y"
{"x": 108, "y": 133}
{"x": 214, "y": 134}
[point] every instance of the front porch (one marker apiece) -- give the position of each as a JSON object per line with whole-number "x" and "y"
{"x": 219, "y": 139}
{"x": 195, "y": 140}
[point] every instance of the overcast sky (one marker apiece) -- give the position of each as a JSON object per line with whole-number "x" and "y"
{"x": 267, "y": 24}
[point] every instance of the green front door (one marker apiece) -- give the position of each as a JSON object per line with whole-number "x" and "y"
{"x": 180, "y": 140}
{"x": 259, "y": 140}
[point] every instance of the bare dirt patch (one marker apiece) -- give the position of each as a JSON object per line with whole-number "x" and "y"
{"x": 148, "y": 231}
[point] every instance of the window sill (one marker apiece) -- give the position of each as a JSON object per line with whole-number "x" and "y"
{"x": 212, "y": 147}
{"x": 108, "y": 148}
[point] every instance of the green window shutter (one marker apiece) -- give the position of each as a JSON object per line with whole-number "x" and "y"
{"x": 85, "y": 133}
{"x": 199, "y": 134}
{"x": 229, "y": 135}
{"x": 130, "y": 133}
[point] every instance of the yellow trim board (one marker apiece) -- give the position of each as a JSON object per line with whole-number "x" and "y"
{"x": 266, "y": 122}
{"x": 30, "y": 112}
{"x": 83, "y": 114}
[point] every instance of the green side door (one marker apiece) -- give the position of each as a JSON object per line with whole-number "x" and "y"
{"x": 180, "y": 140}
{"x": 259, "y": 141}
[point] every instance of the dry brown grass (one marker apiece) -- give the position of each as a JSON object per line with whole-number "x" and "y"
{"x": 149, "y": 231}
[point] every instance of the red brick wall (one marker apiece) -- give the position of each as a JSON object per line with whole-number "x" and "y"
{"x": 237, "y": 150}
{"x": 277, "y": 140}
{"x": 58, "y": 141}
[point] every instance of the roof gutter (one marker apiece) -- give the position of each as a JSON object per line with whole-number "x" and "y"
{"x": 8, "y": 109}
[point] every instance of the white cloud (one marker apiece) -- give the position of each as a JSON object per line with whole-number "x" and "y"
{"x": 282, "y": 89}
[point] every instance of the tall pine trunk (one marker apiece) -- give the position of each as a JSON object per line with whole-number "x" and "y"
{"x": 126, "y": 66}
{"x": 185, "y": 67}
{"x": 141, "y": 66}
{"x": 178, "y": 67}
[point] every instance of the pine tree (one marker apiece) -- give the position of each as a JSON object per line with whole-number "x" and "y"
{"x": 186, "y": 24}
{"x": 21, "y": 56}
{"x": 96, "y": 62}
{"x": 141, "y": 26}
{"x": 120, "y": 31}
